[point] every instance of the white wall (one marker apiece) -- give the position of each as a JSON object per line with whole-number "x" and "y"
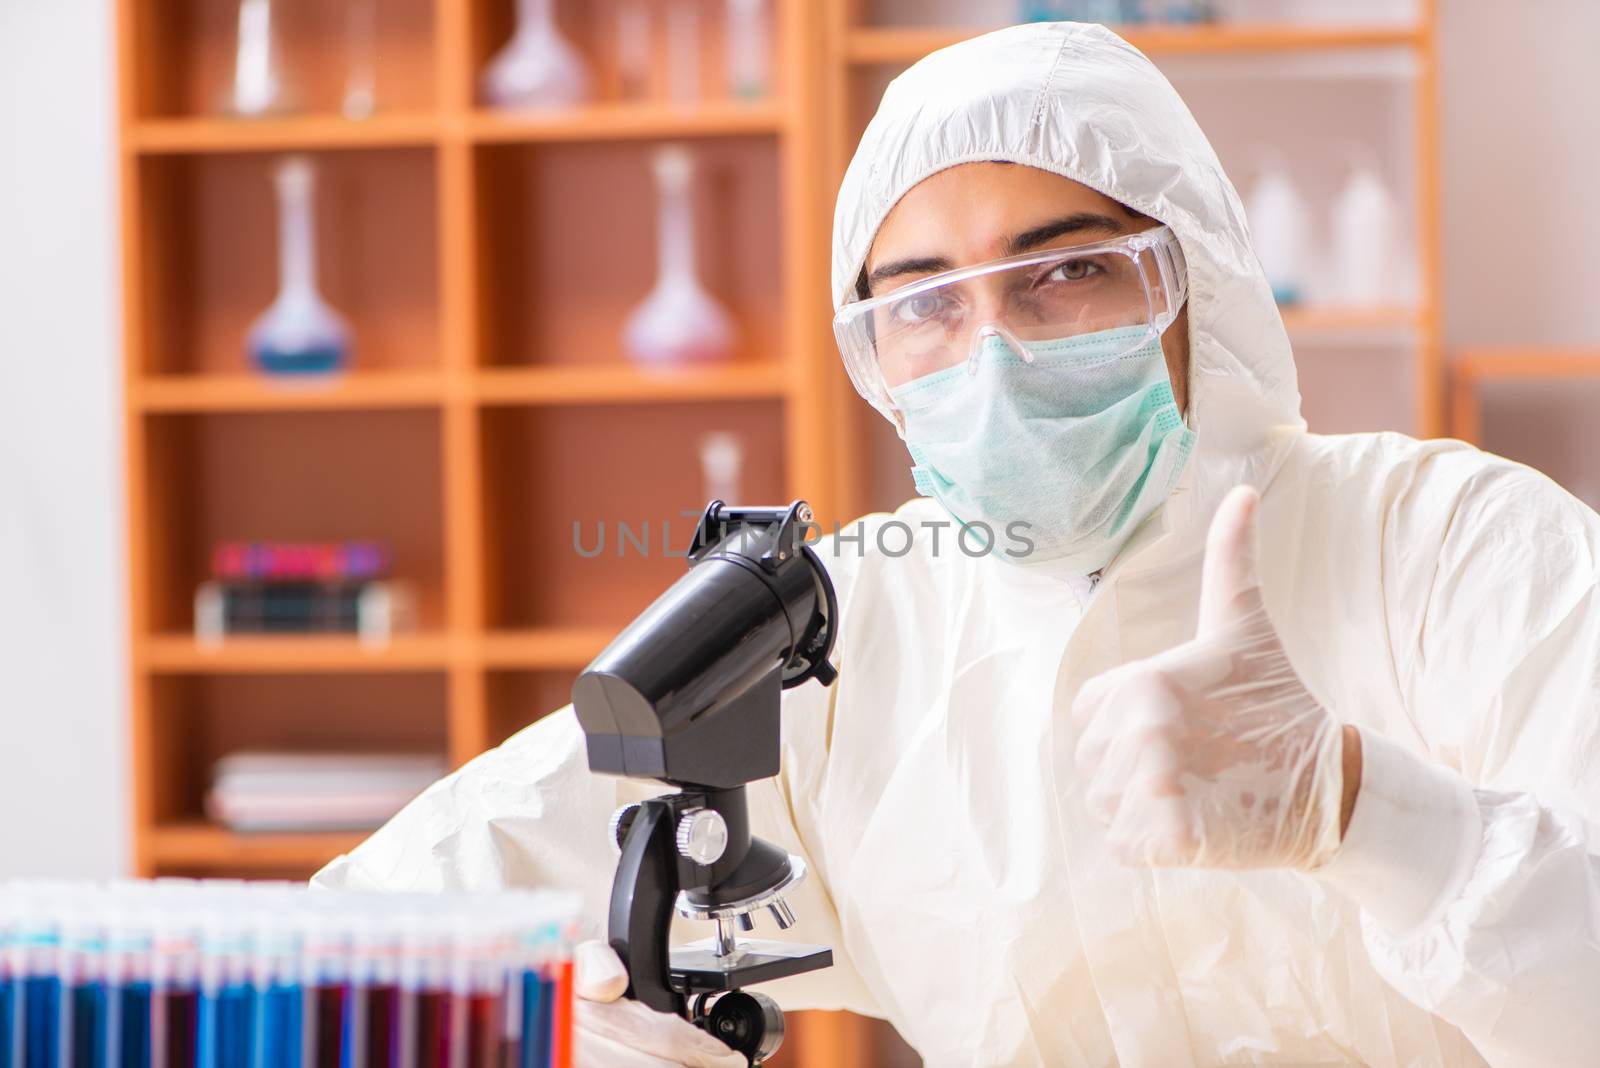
{"x": 62, "y": 681}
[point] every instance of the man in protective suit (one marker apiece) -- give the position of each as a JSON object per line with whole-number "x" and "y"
{"x": 1240, "y": 745}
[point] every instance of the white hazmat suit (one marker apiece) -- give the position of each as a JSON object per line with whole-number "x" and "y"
{"x": 1441, "y": 600}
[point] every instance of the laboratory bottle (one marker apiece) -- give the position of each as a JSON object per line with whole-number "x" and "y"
{"x": 258, "y": 85}
{"x": 1279, "y": 232}
{"x": 1368, "y": 266}
{"x": 749, "y": 60}
{"x": 721, "y": 464}
{"x": 678, "y": 322}
{"x": 537, "y": 68}
{"x": 299, "y": 333}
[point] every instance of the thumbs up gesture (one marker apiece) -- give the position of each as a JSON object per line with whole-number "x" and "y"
{"x": 1213, "y": 754}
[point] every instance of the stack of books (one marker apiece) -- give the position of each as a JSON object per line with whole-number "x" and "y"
{"x": 274, "y": 791}
{"x": 301, "y": 588}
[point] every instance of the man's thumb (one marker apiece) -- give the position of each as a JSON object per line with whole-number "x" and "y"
{"x": 1229, "y": 589}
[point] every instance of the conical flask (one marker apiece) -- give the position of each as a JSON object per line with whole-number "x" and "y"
{"x": 537, "y": 68}
{"x": 678, "y": 322}
{"x": 299, "y": 333}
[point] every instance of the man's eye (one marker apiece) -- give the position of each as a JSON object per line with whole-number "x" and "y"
{"x": 917, "y": 309}
{"x": 1074, "y": 271}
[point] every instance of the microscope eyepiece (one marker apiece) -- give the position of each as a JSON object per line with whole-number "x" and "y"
{"x": 685, "y": 693}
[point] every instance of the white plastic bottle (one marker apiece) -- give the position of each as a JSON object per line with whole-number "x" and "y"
{"x": 678, "y": 322}
{"x": 748, "y": 59}
{"x": 1369, "y": 261}
{"x": 1280, "y": 232}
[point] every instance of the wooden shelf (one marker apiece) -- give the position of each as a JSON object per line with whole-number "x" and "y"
{"x": 259, "y": 393}
{"x": 1539, "y": 364}
{"x": 181, "y": 654}
{"x": 202, "y": 846}
{"x": 1312, "y": 319}
{"x": 177, "y": 136}
{"x": 549, "y": 649}
{"x": 613, "y": 122}
{"x": 886, "y": 45}
{"x": 625, "y": 384}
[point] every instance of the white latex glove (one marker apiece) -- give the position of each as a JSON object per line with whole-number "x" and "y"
{"x": 612, "y": 1032}
{"x": 1213, "y": 754}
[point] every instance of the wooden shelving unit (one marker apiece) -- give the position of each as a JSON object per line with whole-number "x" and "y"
{"x": 486, "y": 262}
{"x": 475, "y": 382}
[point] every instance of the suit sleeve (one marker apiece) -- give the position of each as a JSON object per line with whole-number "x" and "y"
{"x": 1476, "y": 870}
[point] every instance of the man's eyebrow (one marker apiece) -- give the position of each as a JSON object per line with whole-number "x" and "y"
{"x": 914, "y": 265}
{"x": 1078, "y": 222}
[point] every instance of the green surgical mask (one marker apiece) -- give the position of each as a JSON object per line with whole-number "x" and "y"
{"x": 1081, "y": 443}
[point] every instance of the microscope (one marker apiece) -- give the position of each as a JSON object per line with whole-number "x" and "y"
{"x": 689, "y": 694}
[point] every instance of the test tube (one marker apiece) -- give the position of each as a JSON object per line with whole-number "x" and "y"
{"x": 8, "y": 1028}
{"x": 85, "y": 1003}
{"x": 175, "y": 980}
{"x": 325, "y": 971}
{"x": 129, "y": 979}
{"x": 279, "y": 996}
{"x": 37, "y": 966}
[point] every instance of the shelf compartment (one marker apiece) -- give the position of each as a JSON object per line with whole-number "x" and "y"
{"x": 567, "y": 244}
{"x": 559, "y": 479}
{"x": 295, "y": 133}
{"x": 185, "y": 52}
{"x": 907, "y": 44}
{"x": 249, "y": 654}
{"x": 282, "y": 476}
{"x": 625, "y": 384}
{"x": 263, "y": 393}
{"x": 202, "y": 848}
{"x": 518, "y": 699}
{"x": 615, "y": 122}
{"x": 210, "y": 262}
{"x": 1540, "y": 416}
{"x": 196, "y": 719}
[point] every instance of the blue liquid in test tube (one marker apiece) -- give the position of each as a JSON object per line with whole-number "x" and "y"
{"x": 41, "y": 1012}
{"x": 280, "y": 1015}
{"x": 91, "y": 1039}
{"x": 8, "y": 1030}
{"x": 133, "y": 1038}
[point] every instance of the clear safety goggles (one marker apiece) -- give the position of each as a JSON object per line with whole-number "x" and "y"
{"x": 943, "y": 321}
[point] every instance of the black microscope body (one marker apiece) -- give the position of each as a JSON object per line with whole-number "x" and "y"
{"x": 690, "y": 694}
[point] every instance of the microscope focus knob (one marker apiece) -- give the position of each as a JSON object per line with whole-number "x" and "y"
{"x": 621, "y": 823}
{"x": 703, "y": 836}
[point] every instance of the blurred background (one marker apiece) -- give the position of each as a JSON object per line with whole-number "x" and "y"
{"x": 362, "y": 356}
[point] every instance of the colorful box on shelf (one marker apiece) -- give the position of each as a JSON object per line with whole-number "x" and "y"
{"x": 302, "y": 588}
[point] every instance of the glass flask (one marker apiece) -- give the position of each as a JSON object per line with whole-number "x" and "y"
{"x": 258, "y": 86}
{"x": 537, "y": 68}
{"x": 361, "y": 32}
{"x": 678, "y": 322}
{"x": 299, "y": 333}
